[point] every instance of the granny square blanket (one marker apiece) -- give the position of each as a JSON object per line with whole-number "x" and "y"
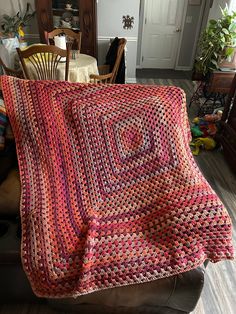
{"x": 111, "y": 194}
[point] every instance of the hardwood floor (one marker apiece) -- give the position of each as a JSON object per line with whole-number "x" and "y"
{"x": 219, "y": 292}
{"x": 163, "y": 74}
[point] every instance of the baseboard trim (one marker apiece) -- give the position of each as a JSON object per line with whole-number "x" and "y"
{"x": 105, "y": 38}
{"x": 131, "y": 80}
{"x": 183, "y": 68}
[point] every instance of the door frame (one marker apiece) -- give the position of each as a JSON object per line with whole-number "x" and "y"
{"x": 143, "y": 8}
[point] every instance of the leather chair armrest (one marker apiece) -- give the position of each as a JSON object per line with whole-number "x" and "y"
{"x": 187, "y": 289}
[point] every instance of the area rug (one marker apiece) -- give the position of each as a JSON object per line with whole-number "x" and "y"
{"x": 111, "y": 195}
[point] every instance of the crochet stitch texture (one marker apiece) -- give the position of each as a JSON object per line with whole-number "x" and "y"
{"x": 111, "y": 194}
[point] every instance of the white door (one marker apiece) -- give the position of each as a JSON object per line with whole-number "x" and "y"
{"x": 161, "y": 33}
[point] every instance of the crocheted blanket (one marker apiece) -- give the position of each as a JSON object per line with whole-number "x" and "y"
{"x": 3, "y": 123}
{"x": 111, "y": 194}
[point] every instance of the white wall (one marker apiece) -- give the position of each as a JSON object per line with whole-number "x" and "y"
{"x": 190, "y": 36}
{"x": 11, "y": 7}
{"x": 109, "y": 19}
{"x": 232, "y": 5}
{"x": 215, "y": 12}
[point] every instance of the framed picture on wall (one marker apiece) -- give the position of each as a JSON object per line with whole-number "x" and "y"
{"x": 195, "y": 2}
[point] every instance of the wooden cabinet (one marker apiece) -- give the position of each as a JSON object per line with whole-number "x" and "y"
{"x": 227, "y": 135}
{"x": 84, "y": 13}
{"x": 220, "y": 82}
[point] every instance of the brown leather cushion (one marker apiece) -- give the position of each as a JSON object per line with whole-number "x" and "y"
{"x": 180, "y": 292}
{"x": 8, "y": 159}
{"x": 152, "y": 293}
{"x": 10, "y": 193}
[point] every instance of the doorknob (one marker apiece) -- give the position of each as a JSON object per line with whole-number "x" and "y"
{"x": 178, "y": 30}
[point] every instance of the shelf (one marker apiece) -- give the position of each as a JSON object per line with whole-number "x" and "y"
{"x": 63, "y": 10}
{"x": 73, "y": 28}
{"x": 84, "y": 20}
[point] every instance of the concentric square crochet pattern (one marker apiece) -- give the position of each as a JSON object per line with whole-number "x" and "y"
{"x": 111, "y": 194}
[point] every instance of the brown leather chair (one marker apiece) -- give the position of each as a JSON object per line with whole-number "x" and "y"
{"x": 174, "y": 295}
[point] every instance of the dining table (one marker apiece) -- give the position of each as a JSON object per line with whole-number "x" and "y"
{"x": 80, "y": 68}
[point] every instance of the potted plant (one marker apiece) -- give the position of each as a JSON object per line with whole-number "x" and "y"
{"x": 216, "y": 43}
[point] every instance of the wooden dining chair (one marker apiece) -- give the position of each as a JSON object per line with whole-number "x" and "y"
{"x": 11, "y": 72}
{"x": 44, "y": 60}
{"x": 105, "y": 74}
{"x": 72, "y": 37}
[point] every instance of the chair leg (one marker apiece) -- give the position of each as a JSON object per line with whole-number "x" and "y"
{"x": 197, "y": 94}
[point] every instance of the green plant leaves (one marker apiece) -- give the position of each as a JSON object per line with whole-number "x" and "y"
{"x": 225, "y": 31}
{"x": 212, "y": 22}
{"x": 229, "y": 51}
{"x": 216, "y": 42}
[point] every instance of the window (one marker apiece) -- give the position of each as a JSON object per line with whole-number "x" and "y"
{"x": 232, "y": 5}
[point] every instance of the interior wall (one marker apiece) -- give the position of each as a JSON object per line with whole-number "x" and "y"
{"x": 206, "y": 11}
{"x": 140, "y": 30}
{"x": 190, "y": 36}
{"x": 11, "y": 7}
{"x": 109, "y": 18}
{"x": 232, "y": 5}
{"x": 215, "y": 12}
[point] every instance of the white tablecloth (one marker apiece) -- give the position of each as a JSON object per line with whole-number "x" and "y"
{"x": 80, "y": 68}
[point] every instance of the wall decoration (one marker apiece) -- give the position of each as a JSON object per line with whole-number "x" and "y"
{"x": 128, "y": 22}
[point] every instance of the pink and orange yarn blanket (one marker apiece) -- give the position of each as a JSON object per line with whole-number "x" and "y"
{"x": 111, "y": 194}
